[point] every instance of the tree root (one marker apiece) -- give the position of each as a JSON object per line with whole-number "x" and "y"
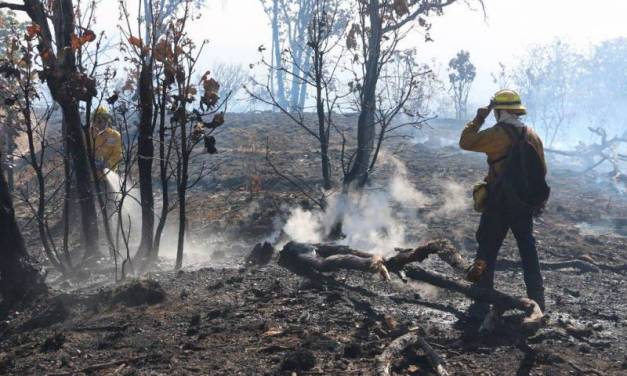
{"x": 384, "y": 360}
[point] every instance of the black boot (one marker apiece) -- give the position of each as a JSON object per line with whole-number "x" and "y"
{"x": 477, "y": 311}
{"x": 538, "y": 297}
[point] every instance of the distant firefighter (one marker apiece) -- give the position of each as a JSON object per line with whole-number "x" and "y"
{"x": 106, "y": 141}
{"x": 513, "y": 192}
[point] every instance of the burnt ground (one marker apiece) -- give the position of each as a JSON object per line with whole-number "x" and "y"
{"x": 217, "y": 317}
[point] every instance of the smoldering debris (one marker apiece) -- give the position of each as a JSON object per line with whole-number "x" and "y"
{"x": 372, "y": 220}
{"x": 376, "y": 219}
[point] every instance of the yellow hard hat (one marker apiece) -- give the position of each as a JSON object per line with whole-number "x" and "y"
{"x": 102, "y": 113}
{"x": 508, "y": 100}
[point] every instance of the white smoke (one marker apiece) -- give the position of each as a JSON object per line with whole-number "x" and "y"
{"x": 372, "y": 220}
{"x": 401, "y": 189}
{"x": 123, "y": 191}
{"x": 456, "y": 199}
{"x": 305, "y": 226}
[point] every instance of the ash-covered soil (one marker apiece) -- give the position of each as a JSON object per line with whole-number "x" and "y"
{"x": 217, "y": 317}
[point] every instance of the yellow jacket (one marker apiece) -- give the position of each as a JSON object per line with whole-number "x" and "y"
{"x": 107, "y": 147}
{"x": 495, "y": 142}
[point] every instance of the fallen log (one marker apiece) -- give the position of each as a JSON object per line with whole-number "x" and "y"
{"x": 502, "y": 301}
{"x": 260, "y": 255}
{"x": 384, "y": 360}
{"x": 304, "y": 259}
{"x": 307, "y": 260}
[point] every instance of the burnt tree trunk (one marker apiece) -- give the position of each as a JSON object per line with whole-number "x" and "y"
{"x": 183, "y": 178}
{"x": 182, "y": 192}
{"x": 19, "y": 280}
{"x": 323, "y": 133}
{"x": 145, "y": 150}
{"x": 358, "y": 173}
{"x": 164, "y": 156}
{"x": 66, "y": 85}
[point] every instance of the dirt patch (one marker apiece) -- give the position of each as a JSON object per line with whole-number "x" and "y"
{"x": 138, "y": 292}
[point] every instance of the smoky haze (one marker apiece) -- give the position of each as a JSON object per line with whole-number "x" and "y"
{"x": 502, "y": 37}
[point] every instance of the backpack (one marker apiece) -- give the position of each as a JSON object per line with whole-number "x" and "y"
{"x": 521, "y": 186}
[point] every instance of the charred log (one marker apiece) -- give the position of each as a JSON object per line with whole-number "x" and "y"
{"x": 304, "y": 259}
{"x": 312, "y": 260}
{"x": 396, "y": 347}
{"x": 260, "y": 255}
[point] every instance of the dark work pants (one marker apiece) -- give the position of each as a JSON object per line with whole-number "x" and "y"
{"x": 495, "y": 223}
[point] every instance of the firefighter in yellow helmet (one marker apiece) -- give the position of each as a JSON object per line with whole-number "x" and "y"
{"x": 106, "y": 141}
{"x": 498, "y": 214}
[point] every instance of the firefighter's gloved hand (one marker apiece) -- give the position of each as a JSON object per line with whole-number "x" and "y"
{"x": 482, "y": 114}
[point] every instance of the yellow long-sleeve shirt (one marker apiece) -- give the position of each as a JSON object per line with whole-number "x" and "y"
{"x": 495, "y": 142}
{"x": 108, "y": 147}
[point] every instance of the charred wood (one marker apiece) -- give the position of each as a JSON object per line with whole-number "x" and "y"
{"x": 304, "y": 259}
{"x": 260, "y": 255}
{"x": 396, "y": 347}
{"x": 312, "y": 260}
{"x": 500, "y": 300}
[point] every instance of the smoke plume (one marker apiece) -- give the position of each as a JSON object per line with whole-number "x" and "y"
{"x": 373, "y": 220}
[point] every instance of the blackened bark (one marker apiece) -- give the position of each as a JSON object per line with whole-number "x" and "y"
{"x": 182, "y": 193}
{"x": 19, "y": 280}
{"x": 323, "y": 127}
{"x": 41, "y": 188}
{"x": 163, "y": 174}
{"x": 182, "y": 222}
{"x": 183, "y": 178}
{"x": 358, "y": 174}
{"x": 145, "y": 149}
{"x": 82, "y": 177}
{"x": 62, "y": 78}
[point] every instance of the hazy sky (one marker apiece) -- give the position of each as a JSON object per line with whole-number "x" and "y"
{"x": 236, "y": 28}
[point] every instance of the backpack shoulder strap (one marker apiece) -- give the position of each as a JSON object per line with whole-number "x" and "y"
{"x": 513, "y": 134}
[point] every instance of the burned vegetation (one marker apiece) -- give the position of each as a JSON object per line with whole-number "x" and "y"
{"x": 310, "y": 215}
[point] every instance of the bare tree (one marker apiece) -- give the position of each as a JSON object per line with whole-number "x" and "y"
{"x": 546, "y": 79}
{"x": 503, "y": 77}
{"x": 20, "y": 75}
{"x": 402, "y": 100}
{"x": 189, "y": 104}
{"x": 290, "y": 21}
{"x": 379, "y": 27}
{"x": 232, "y": 78}
{"x": 326, "y": 30}
{"x": 141, "y": 43}
{"x": 462, "y": 73}
{"x": 68, "y": 86}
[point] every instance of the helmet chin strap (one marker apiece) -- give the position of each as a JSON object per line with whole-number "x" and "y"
{"x": 498, "y": 114}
